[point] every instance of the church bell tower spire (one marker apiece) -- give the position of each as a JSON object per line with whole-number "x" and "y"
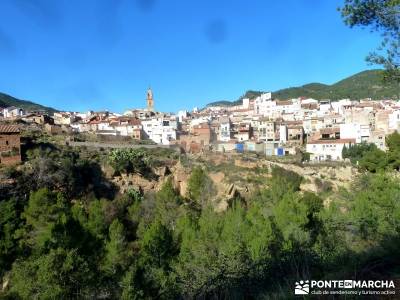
{"x": 150, "y": 101}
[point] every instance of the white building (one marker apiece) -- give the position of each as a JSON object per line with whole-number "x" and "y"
{"x": 246, "y": 103}
{"x": 104, "y": 126}
{"x": 324, "y": 108}
{"x": 283, "y": 134}
{"x": 84, "y": 116}
{"x": 288, "y": 107}
{"x": 127, "y": 127}
{"x": 309, "y": 126}
{"x": 358, "y": 132}
{"x": 321, "y": 150}
{"x": 182, "y": 114}
{"x": 160, "y": 130}
{"x": 264, "y": 105}
{"x": 225, "y": 129}
{"x": 199, "y": 120}
{"x": 12, "y": 111}
{"x": 309, "y": 101}
{"x": 394, "y": 120}
{"x": 340, "y": 106}
{"x": 351, "y": 131}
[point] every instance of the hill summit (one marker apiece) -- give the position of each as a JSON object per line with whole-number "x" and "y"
{"x": 366, "y": 84}
{"x": 7, "y": 100}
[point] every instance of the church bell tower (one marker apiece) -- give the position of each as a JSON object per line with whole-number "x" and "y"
{"x": 150, "y": 101}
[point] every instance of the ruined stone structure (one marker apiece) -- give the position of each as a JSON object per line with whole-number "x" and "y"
{"x": 10, "y": 144}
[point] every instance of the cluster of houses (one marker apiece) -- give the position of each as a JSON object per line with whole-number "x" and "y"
{"x": 319, "y": 127}
{"x": 265, "y": 125}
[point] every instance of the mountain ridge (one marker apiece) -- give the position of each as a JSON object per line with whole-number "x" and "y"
{"x": 365, "y": 84}
{"x": 7, "y": 101}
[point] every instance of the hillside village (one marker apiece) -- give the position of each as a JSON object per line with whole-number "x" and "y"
{"x": 262, "y": 163}
{"x": 271, "y": 127}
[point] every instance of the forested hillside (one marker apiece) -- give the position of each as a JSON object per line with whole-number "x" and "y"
{"x": 367, "y": 84}
{"x": 7, "y": 100}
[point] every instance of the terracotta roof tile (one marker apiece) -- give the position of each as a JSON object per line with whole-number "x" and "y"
{"x": 9, "y": 129}
{"x": 337, "y": 141}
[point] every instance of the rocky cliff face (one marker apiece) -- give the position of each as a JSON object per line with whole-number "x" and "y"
{"x": 317, "y": 178}
{"x": 239, "y": 177}
{"x": 180, "y": 176}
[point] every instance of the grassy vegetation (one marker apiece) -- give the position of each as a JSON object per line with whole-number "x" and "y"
{"x": 91, "y": 137}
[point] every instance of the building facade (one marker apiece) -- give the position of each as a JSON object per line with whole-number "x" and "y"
{"x": 10, "y": 144}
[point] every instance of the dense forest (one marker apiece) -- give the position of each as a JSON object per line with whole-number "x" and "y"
{"x": 67, "y": 233}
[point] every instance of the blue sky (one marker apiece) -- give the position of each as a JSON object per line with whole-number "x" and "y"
{"x": 103, "y": 54}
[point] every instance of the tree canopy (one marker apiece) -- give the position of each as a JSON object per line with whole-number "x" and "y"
{"x": 381, "y": 16}
{"x": 66, "y": 244}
